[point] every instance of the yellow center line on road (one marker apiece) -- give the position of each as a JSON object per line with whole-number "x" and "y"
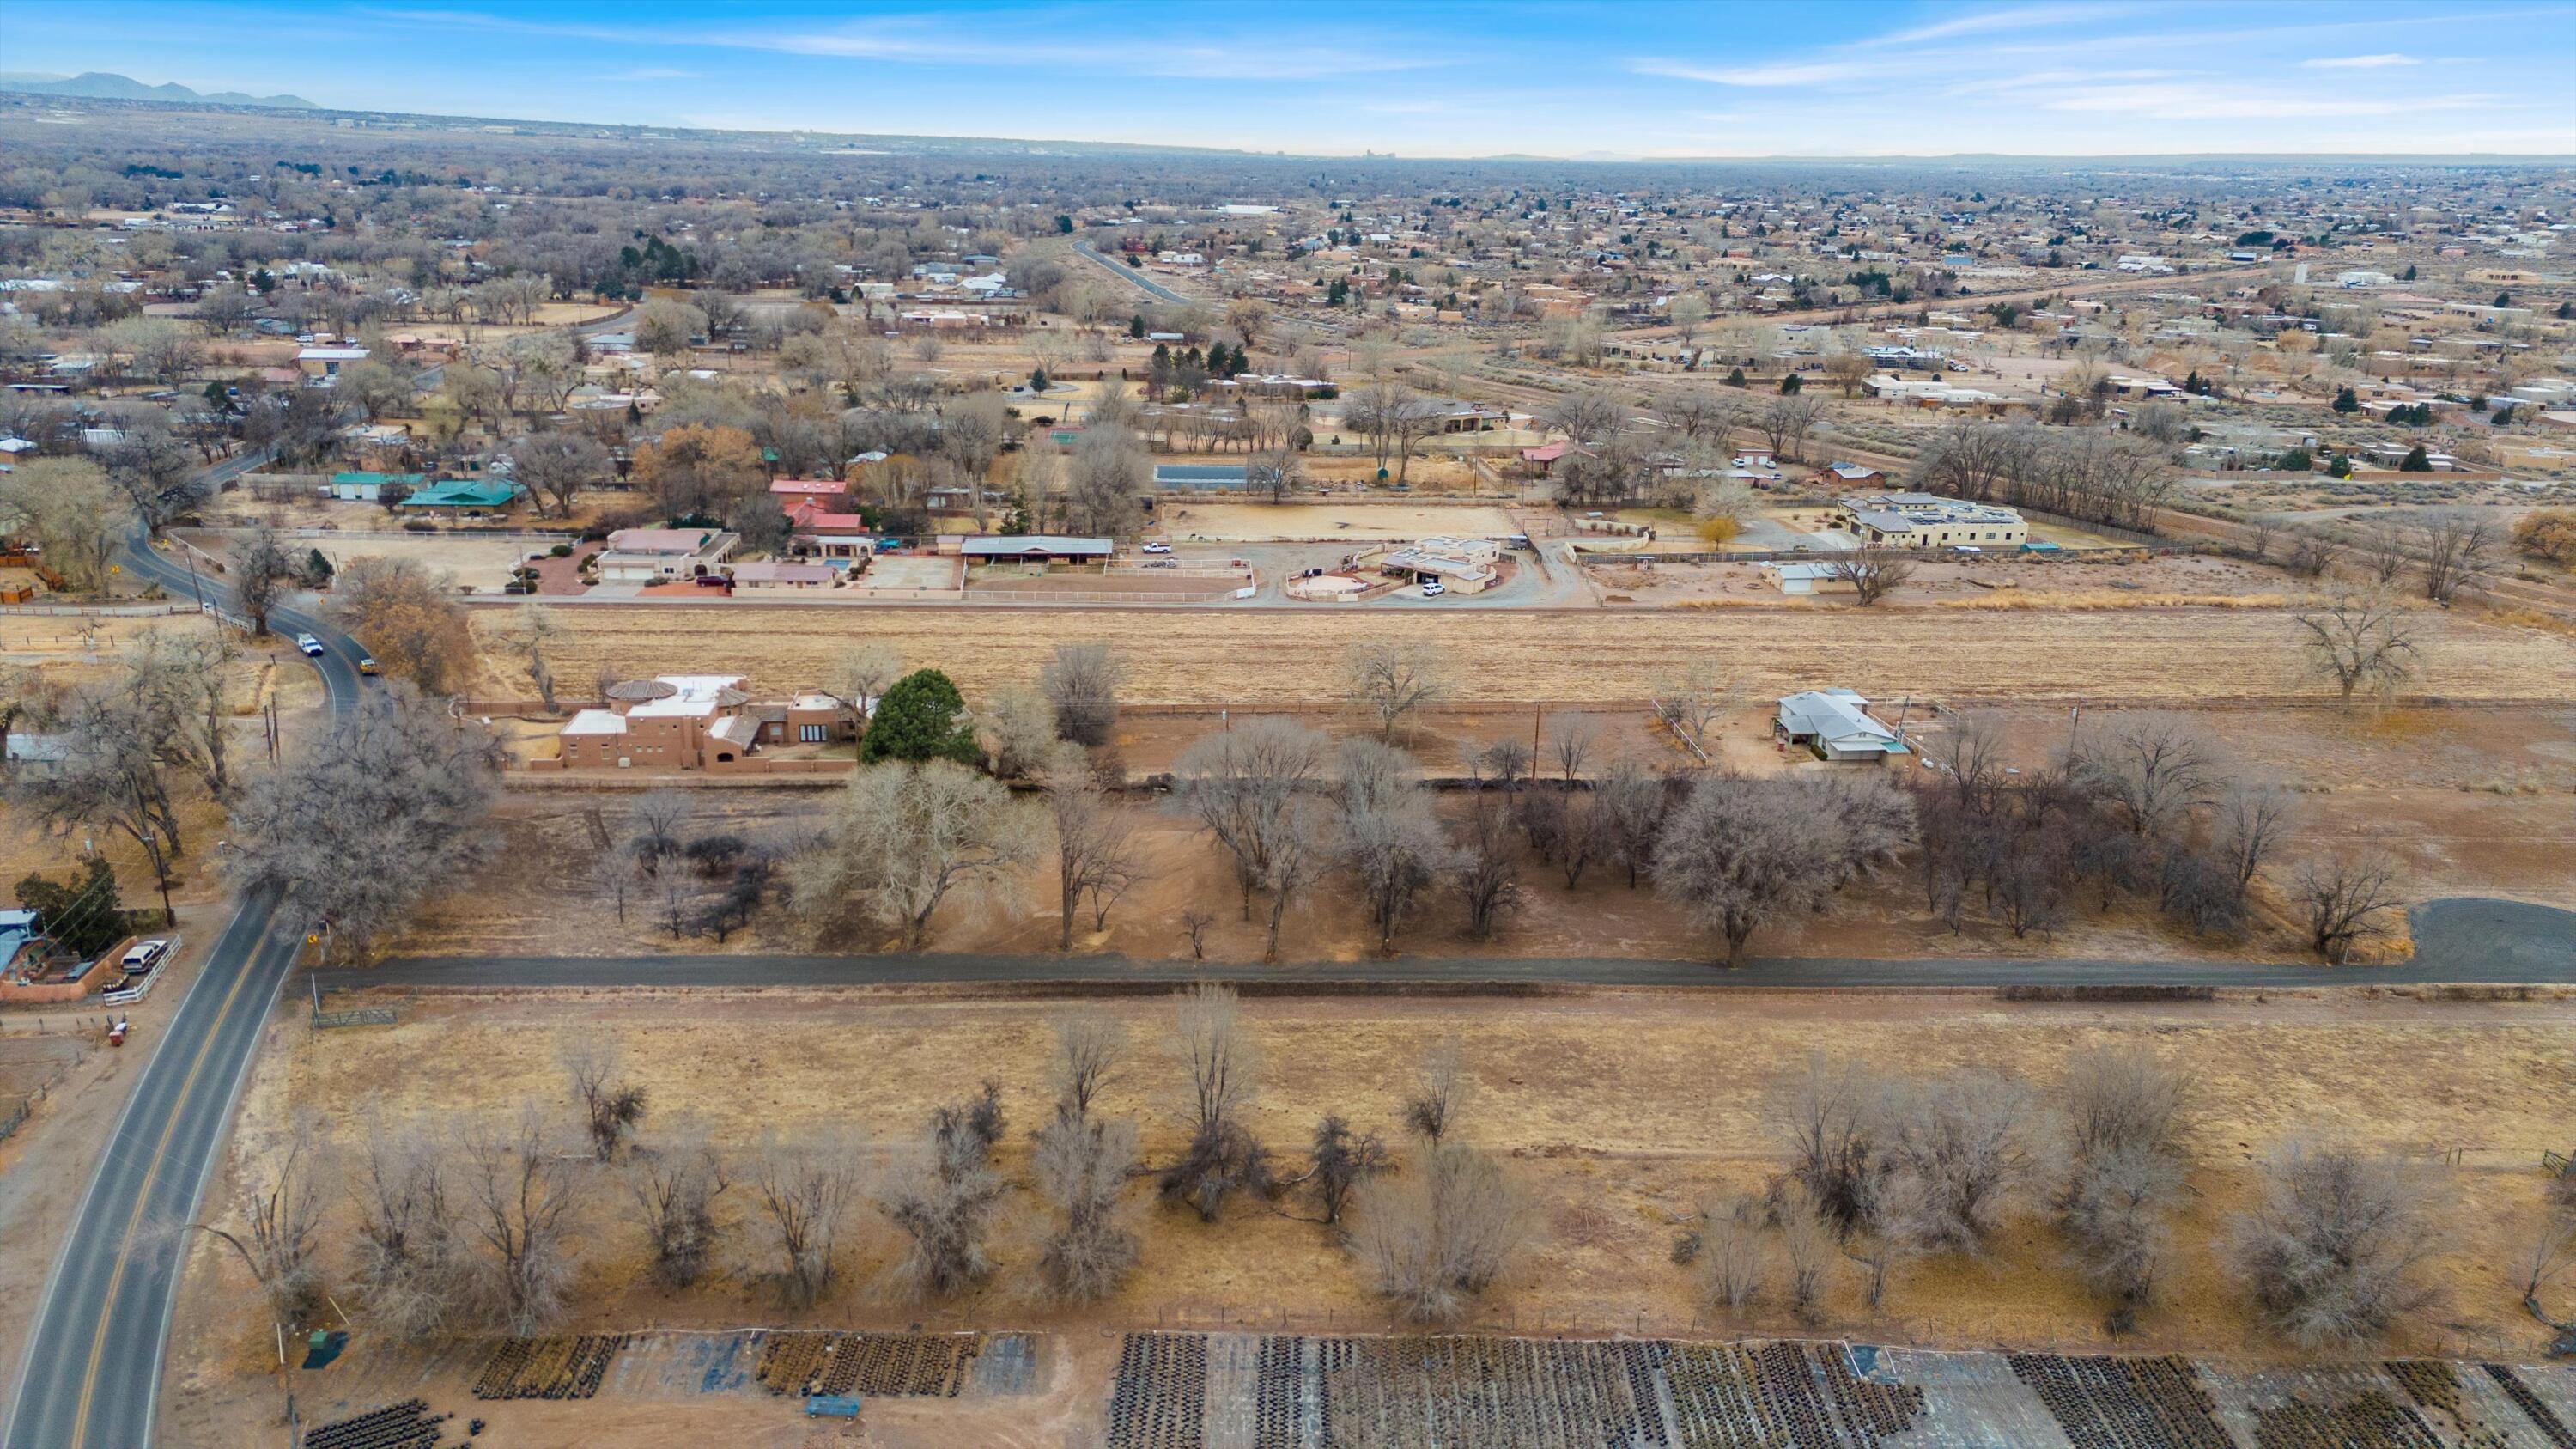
{"x": 143, "y": 1196}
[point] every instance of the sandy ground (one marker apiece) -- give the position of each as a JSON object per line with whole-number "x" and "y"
{"x": 1245, "y": 657}
{"x": 1615, "y": 1113}
{"x": 1265, "y": 522}
{"x": 2002, "y": 581}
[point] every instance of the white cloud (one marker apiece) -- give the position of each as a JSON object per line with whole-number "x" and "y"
{"x": 2034, "y": 17}
{"x": 2360, "y": 62}
{"x": 1786, "y": 73}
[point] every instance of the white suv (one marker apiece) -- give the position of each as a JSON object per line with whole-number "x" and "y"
{"x": 142, "y": 956}
{"x": 309, "y": 645}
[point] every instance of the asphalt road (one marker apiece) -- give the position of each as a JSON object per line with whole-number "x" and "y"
{"x": 2465, "y": 940}
{"x": 1121, "y": 269}
{"x": 93, "y": 1365}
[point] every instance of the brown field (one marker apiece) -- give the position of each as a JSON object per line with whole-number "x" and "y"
{"x": 1258, "y": 522}
{"x": 1246, "y": 657}
{"x": 1616, "y": 1113}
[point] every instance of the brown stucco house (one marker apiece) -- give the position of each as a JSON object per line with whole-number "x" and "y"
{"x": 692, "y": 722}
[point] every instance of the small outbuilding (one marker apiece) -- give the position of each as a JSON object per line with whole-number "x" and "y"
{"x": 1836, "y": 725}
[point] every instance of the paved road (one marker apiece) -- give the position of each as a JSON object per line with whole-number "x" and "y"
{"x": 1156, "y": 289}
{"x": 2465, "y": 940}
{"x": 93, "y": 1364}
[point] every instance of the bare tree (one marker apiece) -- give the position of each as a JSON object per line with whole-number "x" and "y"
{"x": 1210, "y": 1046}
{"x": 281, "y": 1207}
{"x": 260, "y": 569}
{"x": 406, "y": 1246}
{"x": 1733, "y": 1262}
{"x": 1343, "y": 1159}
{"x": 1194, "y": 924}
{"x": 2359, "y": 639}
{"x": 2384, "y": 551}
{"x": 942, "y": 1195}
{"x": 803, "y": 1192}
{"x": 556, "y": 466}
{"x": 522, "y": 1198}
{"x": 902, "y": 837}
{"x": 1953, "y": 1147}
{"x": 2121, "y": 1172}
{"x": 1097, "y": 857}
{"x": 1252, "y": 789}
{"x": 1690, "y": 702}
{"x": 1628, "y": 806}
{"x": 857, "y": 676}
{"x": 2552, "y": 1256}
{"x": 674, "y": 1188}
{"x": 1569, "y": 743}
{"x": 1081, "y": 1165}
{"x": 2338, "y": 896}
{"x": 1386, "y": 835}
{"x": 531, "y": 630}
{"x": 657, "y": 818}
{"x": 1483, "y": 872}
{"x": 1391, "y": 679}
{"x": 2149, "y": 772}
{"x": 1872, "y": 572}
{"x": 1081, "y": 681}
{"x": 2310, "y": 555}
{"x": 1442, "y": 1233}
{"x": 1806, "y": 1247}
{"x": 1788, "y": 420}
{"x": 1441, "y": 1090}
{"x": 2457, "y": 550}
{"x": 610, "y": 1108}
{"x": 2339, "y": 1249}
{"x": 2253, "y": 821}
{"x": 1737, "y": 852}
{"x": 388, "y": 806}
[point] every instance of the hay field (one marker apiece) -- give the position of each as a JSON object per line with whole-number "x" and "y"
{"x": 1262, "y": 522}
{"x": 1293, "y": 656}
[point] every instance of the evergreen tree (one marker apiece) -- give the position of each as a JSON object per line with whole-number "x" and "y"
{"x": 1136, "y": 327}
{"x": 921, "y": 717}
{"x": 1790, "y": 384}
{"x": 2345, "y": 401}
{"x": 2416, "y": 461}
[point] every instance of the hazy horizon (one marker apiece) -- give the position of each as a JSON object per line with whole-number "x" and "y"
{"x": 1885, "y": 79}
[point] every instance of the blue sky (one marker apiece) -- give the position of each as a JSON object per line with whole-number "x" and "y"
{"x": 1418, "y": 79}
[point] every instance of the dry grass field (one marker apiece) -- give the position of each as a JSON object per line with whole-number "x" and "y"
{"x": 1616, "y": 1113}
{"x": 1248, "y": 657}
{"x": 1262, "y": 522}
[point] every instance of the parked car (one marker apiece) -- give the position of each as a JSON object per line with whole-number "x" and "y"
{"x": 1158, "y": 548}
{"x": 310, "y": 645}
{"x": 142, "y": 956}
{"x": 1432, "y": 589}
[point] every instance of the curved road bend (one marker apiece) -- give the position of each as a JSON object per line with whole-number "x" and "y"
{"x": 93, "y": 1364}
{"x": 1154, "y": 289}
{"x": 2462, "y": 941}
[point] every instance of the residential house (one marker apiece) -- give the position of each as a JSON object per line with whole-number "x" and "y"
{"x": 360, "y": 487}
{"x": 783, "y": 577}
{"x": 1854, "y": 474}
{"x": 691, "y": 722}
{"x": 321, "y": 365}
{"x": 1922, "y": 520}
{"x": 1462, "y": 565}
{"x": 1034, "y": 548}
{"x": 791, "y": 490}
{"x": 1801, "y": 580}
{"x": 652, "y": 555}
{"x": 463, "y": 496}
{"x": 1834, "y": 724}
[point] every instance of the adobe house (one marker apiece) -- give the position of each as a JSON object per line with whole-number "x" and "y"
{"x": 691, "y": 722}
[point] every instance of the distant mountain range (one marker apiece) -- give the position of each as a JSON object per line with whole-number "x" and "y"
{"x": 106, "y": 86}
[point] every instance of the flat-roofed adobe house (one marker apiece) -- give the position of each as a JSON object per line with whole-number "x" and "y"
{"x": 654, "y": 555}
{"x": 691, "y": 722}
{"x": 1923, "y": 520}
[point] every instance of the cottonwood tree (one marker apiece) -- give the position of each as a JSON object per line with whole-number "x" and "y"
{"x": 1343, "y": 1159}
{"x": 1098, "y": 858}
{"x": 1628, "y": 804}
{"x": 408, "y": 618}
{"x": 1252, "y": 789}
{"x": 556, "y": 466}
{"x": 1209, "y": 1045}
{"x": 407, "y": 1247}
{"x": 1108, "y": 470}
{"x": 802, "y": 1192}
{"x": 2338, "y": 896}
{"x": 1442, "y": 1088}
{"x": 1570, "y": 739}
{"x": 1442, "y": 1232}
{"x": 942, "y": 1194}
{"x": 388, "y": 808}
{"x": 1738, "y": 851}
{"x": 1483, "y": 872}
{"x": 2359, "y": 639}
{"x": 901, "y": 838}
{"x": 1728, "y": 1244}
{"x": 2552, "y": 1256}
{"x": 672, "y": 1190}
{"x": 1391, "y": 678}
{"x": 1081, "y": 1164}
{"x": 1690, "y": 702}
{"x": 261, "y": 568}
{"x": 1873, "y": 573}
{"x": 1385, "y": 834}
{"x": 1787, "y": 421}
{"x": 67, "y": 505}
{"x": 1081, "y": 681}
{"x": 2253, "y": 820}
{"x": 2120, "y": 1169}
{"x": 1018, "y": 731}
{"x": 2457, "y": 550}
{"x": 522, "y": 1196}
{"x": 2339, "y": 1249}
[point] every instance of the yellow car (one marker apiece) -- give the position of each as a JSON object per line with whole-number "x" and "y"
{"x": 367, "y": 664}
